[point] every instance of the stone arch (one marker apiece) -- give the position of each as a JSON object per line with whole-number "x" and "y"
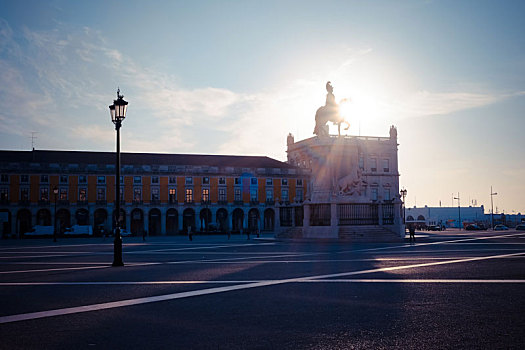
{"x": 222, "y": 220}
{"x": 82, "y": 217}
{"x": 137, "y": 221}
{"x": 205, "y": 219}
{"x": 100, "y": 217}
{"x": 122, "y": 218}
{"x": 172, "y": 221}
{"x": 253, "y": 220}
{"x": 410, "y": 218}
{"x": 5, "y": 214}
{"x": 63, "y": 220}
{"x": 420, "y": 218}
{"x": 23, "y": 221}
{"x": 237, "y": 220}
{"x": 188, "y": 220}
{"x": 43, "y": 217}
{"x": 269, "y": 219}
{"x": 154, "y": 222}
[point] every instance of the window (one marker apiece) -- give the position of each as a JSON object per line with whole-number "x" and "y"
{"x": 269, "y": 195}
{"x": 189, "y": 180}
{"x": 237, "y": 194}
{"x": 4, "y": 194}
{"x": 155, "y": 194}
{"x": 44, "y": 193}
{"x": 62, "y": 194}
{"x": 253, "y": 195}
{"x": 172, "y": 180}
{"x": 25, "y": 179}
{"x": 101, "y": 180}
{"x": 222, "y": 194}
{"x": 137, "y": 180}
{"x": 189, "y": 194}
{"x": 237, "y": 181}
{"x": 299, "y": 196}
{"x": 284, "y": 182}
{"x": 222, "y": 181}
{"x": 137, "y": 193}
{"x": 386, "y": 194}
{"x": 386, "y": 165}
{"x": 82, "y": 179}
{"x": 44, "y": 179}
{"x": 284, "y": 196}
{"x": 269, "y": 182}
{"x": 82, "y": 194}
{"x": 205, "y": 180}
{"x": 374, "y": 193}
{"x": 361, "y": 162}
{"x": 205, "y": 194}
{"x": 63, "y": 179}
{"x": 155, "y": 180}
{"x": 373, "y": 164}
{"x": 4, "y": 178}
{"x": 101, "y": 193}
{"x": 253, "y": 181}
{"x": 172, "y": 195}
{"x": 24, "y": 194}
{"x": 300, "y": 182}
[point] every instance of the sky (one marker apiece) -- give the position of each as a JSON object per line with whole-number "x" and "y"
{"x": 235, "y": 77}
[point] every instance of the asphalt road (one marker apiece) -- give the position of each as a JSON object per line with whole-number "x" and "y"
{"x": 450, "y": 290}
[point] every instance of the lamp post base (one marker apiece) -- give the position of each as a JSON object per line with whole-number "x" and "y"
{"x": 117, "y": 251}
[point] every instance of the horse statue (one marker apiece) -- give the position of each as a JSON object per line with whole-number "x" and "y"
{"x": 329, "y": 113}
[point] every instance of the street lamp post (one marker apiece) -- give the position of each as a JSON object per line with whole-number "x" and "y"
{"x": 459, "y": 211}
{"x": 118, "y": 113}
{"x": 404, "y": 194}
{"x": 55, "y": 192}
{"x": 492, "y": 194}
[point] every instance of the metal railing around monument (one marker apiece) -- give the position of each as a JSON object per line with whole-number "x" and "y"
{"x": 358, "y": 214}
{"x": 320, "y": 215}
{"x": 388, "y": 213}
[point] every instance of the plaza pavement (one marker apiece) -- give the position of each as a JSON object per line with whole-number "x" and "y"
{"x": 449, "y": 290}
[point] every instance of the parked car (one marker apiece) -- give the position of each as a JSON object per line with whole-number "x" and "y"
{"x": 472, "y": 227}
{"x": 124, "y": 233}
{"x": 500, "y": 228}
{"x": 520, "y": 227}
{"x": 434, "y": 228}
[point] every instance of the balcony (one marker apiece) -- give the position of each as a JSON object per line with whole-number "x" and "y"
{"x": 173, "y": 202}
{"x": 270, "y": 202}
{"x": 43, "y": 202}
{"x": 24, "y": 203}
{"x": 101, "y": 202}
{"x": 223, "y": 202}
{"x": 121, "y": 202}
{"x": 155, "y": 202}
{"x": 189, "y": 202}
{"x": 82, "y": 203}
{"x": 4, "y": 201}
{"x": 238, "y": 203}
{"x": 208, "y": 202}
{"x": 63, "y": 202}
{"x": 254, "y": 202}
{"x": 137, "y": 202}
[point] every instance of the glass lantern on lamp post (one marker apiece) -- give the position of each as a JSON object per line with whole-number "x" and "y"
{"x": 118, "y": 113}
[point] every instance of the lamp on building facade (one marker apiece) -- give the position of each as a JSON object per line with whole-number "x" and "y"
{"x": 118, "y": 113}
{"x": 492, "y": 194}
{"x": 55, "y": 192}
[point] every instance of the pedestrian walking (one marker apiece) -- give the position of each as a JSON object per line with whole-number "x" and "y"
{"x": 229, "y": 234}
{"x": 412, "y": 231}
{"x": 189, "y": 233}
{"x": 143, "y": 235}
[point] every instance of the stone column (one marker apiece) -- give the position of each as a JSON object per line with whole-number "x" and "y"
{"x": 277, "y": 222}
{"x": 163, "y": 221}
{"x": 333, "y": 215}
{"x": 180, "y": 220}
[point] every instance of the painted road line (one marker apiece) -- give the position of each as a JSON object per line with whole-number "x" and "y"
{"x": 298, "y": 280}
{"x": 75, "y": 268}
{"x": 173, "y": 296}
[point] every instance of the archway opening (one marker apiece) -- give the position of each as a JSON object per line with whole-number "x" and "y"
{"x": 154, "y": 222}
{"x": 172, "y": 221}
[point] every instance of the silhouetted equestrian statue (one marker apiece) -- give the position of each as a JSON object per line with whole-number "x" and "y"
{"x": 329, "y": 113}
